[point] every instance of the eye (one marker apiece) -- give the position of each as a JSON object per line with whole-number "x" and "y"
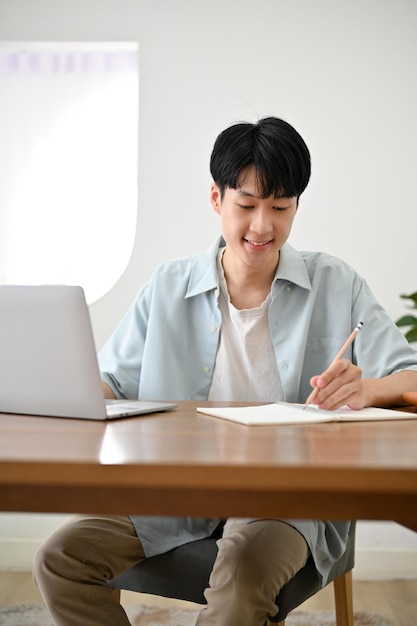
{"x": 245, "y": 206}
{"x": 280, "y": 208}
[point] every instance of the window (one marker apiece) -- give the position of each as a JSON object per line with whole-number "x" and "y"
{"x": 68, "y": 157}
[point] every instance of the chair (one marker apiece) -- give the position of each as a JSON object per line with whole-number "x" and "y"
{"x": 184, "y": 572}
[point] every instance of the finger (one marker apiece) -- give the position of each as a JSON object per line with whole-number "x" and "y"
{"x": 333, "y": 372}
{"x": 351, "y": 394}
{"x": 340, "y": 389}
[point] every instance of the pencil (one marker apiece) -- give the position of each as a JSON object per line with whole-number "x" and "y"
{"x": 338, "y": 356}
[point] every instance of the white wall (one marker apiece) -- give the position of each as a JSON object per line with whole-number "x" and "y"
{"x": 342, "y": 72}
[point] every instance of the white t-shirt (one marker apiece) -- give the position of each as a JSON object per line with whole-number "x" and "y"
{"x": 245, "y": 368}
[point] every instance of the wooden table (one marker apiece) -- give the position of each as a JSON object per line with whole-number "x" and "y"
{"x": 185, "y": 463}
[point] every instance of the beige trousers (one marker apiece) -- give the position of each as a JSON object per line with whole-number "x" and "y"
{"x": 255, "y": 560}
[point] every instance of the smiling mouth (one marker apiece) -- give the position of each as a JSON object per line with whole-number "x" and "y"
{"x": 258, "y": 244}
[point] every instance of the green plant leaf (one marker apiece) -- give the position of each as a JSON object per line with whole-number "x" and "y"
{"x": 411, "y": 296}
{"x": 407, "y": 320}
{"x": 411, "y": 335}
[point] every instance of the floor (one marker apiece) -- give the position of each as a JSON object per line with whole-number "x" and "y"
{"x": 396, "y": 600}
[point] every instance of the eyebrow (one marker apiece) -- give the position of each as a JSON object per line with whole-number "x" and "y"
{"x": 242, "y": 192}
{"x": 247, "y": 194}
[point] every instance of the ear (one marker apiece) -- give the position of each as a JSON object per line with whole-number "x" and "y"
{"x": 215, "y": 197}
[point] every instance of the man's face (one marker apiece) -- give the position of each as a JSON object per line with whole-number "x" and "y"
{"x": 253, "y": 227}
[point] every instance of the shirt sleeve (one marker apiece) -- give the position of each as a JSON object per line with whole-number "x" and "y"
{"x": 120, "y": 359}
{"x": 380, "y": 349}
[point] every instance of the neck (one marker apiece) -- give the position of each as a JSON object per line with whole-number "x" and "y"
{"x": 248, "y": 287}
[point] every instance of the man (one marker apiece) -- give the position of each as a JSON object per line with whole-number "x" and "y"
{"x": 251, "y": 319}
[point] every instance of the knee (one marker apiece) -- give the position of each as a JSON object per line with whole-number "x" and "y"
{"x": 40, "y": 564}
{"x": 44, "y": 561}
{"x": 263, "y": 551}
{"x": 48, "y": 560}
{"x": 246, "y": 564}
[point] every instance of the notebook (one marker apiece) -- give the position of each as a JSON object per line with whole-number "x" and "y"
{"x": 285, "y": 413}
{"x": 48, "y": 362}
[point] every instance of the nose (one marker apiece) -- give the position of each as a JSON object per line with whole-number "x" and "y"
{"x": 261, "y": 221}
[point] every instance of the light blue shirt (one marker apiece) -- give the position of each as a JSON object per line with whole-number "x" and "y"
{"x": 165, "y": 349}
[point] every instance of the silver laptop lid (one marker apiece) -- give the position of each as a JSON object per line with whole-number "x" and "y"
{"x": 48, "y": 363}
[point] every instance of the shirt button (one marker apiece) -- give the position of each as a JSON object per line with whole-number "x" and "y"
{"x": 206, "y": 370}
{"x": 288, "y": 288}
{"x": 213, "y": 329}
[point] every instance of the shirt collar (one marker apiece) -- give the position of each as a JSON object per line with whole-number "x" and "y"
{"x": 204, "y": 271}
{"x": 204, "y": 277}
{"x": 291, "y": 267}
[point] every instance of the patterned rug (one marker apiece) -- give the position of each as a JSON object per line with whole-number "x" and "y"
{"x": 36, "y": 615}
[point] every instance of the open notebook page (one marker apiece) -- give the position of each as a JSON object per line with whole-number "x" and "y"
{"x": 292, "y": 413}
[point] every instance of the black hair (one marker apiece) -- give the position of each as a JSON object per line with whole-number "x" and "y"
{"x": 273, "y": 147}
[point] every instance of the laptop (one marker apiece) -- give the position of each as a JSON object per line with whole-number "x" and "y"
{"x": 48, "y": 361}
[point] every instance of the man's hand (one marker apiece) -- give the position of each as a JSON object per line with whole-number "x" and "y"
{"x": 108, "y": 392}
{"x": 341, "y": 384}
